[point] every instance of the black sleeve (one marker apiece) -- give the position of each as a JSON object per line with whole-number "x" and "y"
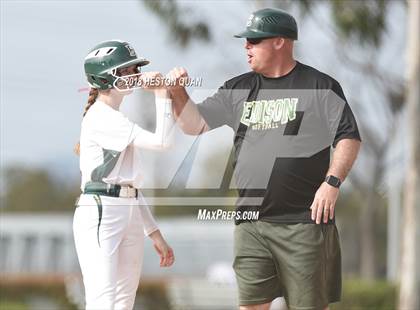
{"x": 217, "y": 110}
{"x": 347, "y": 127}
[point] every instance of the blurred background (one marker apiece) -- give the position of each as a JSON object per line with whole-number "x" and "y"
{"x": 370, "y": 47}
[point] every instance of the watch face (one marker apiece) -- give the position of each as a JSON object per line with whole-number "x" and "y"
{"x": 332, "y": 180}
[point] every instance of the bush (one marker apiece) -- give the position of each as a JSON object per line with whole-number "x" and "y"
{"x": 366, "y": 295}
{"x": 22, "y": 293}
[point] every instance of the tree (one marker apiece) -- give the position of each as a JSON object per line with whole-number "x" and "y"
{"x": 175, "y": 18}
{"x": 408, "y": 298}
{"x": 35, "y": 190}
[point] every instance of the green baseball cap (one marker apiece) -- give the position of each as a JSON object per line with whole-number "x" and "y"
{"x": 269, "y": 22}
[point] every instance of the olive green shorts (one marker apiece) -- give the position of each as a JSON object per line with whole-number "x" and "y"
{"x": 301, "y": 262}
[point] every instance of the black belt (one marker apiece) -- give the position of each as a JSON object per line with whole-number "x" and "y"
{"x": 113, "y": 190}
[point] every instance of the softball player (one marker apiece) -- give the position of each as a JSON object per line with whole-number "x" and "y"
{"x": 111, "y": 217}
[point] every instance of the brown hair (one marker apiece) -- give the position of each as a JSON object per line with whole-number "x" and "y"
{"x": 93, "y": 94}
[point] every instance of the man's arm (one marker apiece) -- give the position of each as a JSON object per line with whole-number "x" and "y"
{"x": 185, "y": 110}
{"x": 325, "y": 199}
{"x": 344, "y": 156}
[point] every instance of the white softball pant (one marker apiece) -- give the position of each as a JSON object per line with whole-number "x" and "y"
{"x": 109, "y": 244}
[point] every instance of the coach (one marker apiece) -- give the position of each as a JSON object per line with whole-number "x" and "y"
{"x": 287, "y": 117}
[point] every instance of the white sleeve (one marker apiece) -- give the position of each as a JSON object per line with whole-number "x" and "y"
{"x": 114, "y": 131}
{"x": 149, "y": 223}
{"x": 163, "y": 136}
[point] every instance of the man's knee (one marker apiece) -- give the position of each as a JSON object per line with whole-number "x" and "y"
{"x": 256, "y": 307}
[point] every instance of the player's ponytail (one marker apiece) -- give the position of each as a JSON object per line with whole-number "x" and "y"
{"x": 93, "y": 94}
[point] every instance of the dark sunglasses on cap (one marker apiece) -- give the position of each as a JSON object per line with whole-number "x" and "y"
{"x": 255, "y": 41}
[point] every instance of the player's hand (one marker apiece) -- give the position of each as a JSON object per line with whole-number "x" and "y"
{"x": 166, "y": 254}
{"x": 164, "y": 251}
{"x": 178, "y": 78}
{"x": 324, "y": 203}
{"x": 152, "y": 80}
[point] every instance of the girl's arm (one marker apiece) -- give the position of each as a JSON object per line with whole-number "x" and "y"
{"x": 149, "y": 223}
{"x": 162, "y": 137}
{"x": 165, "y": 252}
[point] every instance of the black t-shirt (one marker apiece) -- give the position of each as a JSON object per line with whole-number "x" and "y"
{"x": 285, "y": 128}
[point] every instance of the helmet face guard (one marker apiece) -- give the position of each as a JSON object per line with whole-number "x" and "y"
{"x": 105, "y": 58}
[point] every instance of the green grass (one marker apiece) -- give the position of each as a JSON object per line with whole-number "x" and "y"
{"x": 12, "y": 305}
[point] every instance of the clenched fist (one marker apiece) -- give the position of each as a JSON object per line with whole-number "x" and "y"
{"x": 178, "y": 78}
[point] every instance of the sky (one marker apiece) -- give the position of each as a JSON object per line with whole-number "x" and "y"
{"x": 43, "y": 44}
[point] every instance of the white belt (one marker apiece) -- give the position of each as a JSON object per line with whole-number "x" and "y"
{"x": 127, "y": 191}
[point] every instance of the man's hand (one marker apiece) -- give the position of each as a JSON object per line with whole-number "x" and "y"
{"x": 324, "y": 203}
{"x": 178, "y": 77}
{"x": 185, "y": 110}
{"x": 325, "y": 199}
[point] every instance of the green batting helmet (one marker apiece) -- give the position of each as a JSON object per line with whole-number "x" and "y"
{"x": 105, "y": 58}
{"x": 268, "y": 23}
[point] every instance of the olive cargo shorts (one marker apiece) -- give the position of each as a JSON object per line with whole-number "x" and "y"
{"x": 301, "y": 262}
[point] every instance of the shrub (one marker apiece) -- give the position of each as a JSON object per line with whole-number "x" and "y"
{"x": 366, "y": 295}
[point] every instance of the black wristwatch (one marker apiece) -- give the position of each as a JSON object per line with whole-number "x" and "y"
{"x": 333, "y": 181}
